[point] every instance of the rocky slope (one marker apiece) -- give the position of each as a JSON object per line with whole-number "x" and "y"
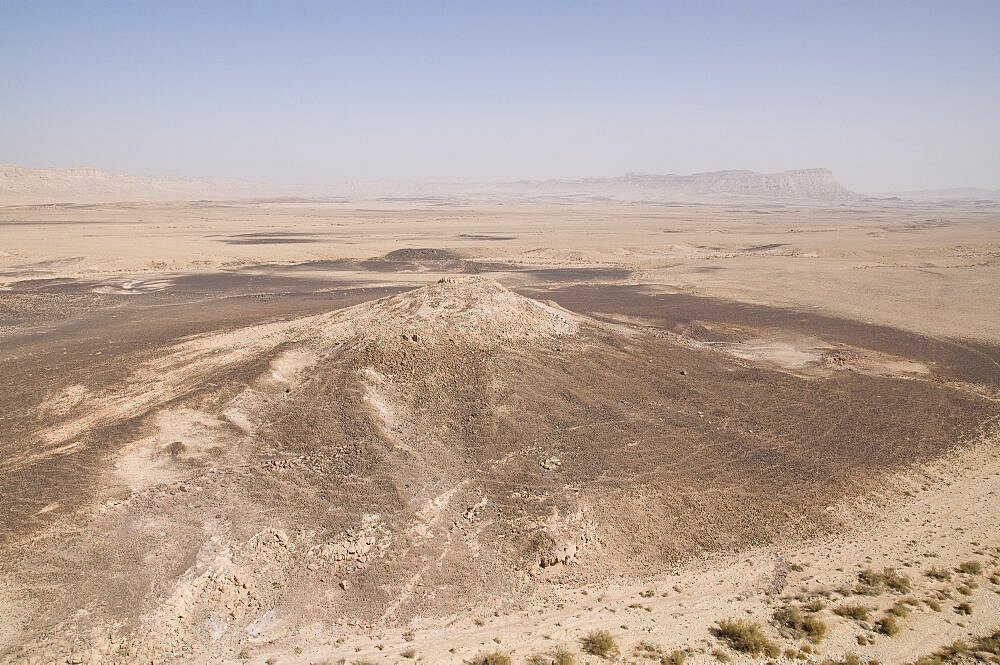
{"x": 451, "y": 451}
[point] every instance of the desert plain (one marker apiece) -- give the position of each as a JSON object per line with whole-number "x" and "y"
{"x": 458, "y": 430}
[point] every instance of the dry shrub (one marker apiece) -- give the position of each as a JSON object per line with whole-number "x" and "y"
{"x": 796, "y": 624}
{"x": 495, "y": 658}
{"x": 872, "y": 583}
{"x": 558, "y": 656}
{"x": 899, "y": 610}
{"x": 970, "y": 567}
{"x": 856, "y": 612}
{"x": 887, "y": 625}
{"x": 600, "y": 643}
{"x": 848, "y": 659}
{"x": 745, "y": 637}
{"x": 939, "y": 574}
{"x": 960, "y": 652}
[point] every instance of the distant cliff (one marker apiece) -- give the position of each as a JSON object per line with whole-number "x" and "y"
{"x": 817, "y": 184}
{"x": 88, "y": 185}
{"x": 83, "y": 184}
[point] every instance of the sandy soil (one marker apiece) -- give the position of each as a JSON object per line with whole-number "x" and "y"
{"x": 235, "y": 432}
{"x": 925, "y": 267}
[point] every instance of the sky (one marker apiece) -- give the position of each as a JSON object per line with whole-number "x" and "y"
{"x": 889, "y": 95}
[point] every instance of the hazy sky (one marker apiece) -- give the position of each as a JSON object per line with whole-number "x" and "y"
{"x": 890, "y": 95}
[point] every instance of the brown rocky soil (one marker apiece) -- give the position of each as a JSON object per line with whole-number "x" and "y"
{"x": 451, "y": 450}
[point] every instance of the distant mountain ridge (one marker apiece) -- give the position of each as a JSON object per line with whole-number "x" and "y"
{"x": 803, "y": 183}
{"x": 952, "y": 194}
{"x": 21, "y": 185}
{"x": 89, "y": 184}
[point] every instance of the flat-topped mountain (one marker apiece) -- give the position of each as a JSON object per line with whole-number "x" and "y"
{"x": 799, "y": 184}
{"x": 20, "y": 185}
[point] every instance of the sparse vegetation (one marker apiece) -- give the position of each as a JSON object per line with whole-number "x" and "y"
{"x": 887, "y": 625}
{"x": 899, "y": 610}
{"x": 856, "y": 612}
{"x": 558, "y": 656}
{"x": 970, "y": 567}
{"x": 495, "y": 658}
{"x": 675, "y": 657}
{"x": 651, "y": 651}
{"x": 600, "y": 643}
{"x": 814, "y": 605}
{"x": 410, "y": 653}
{"x": 848, "y": 659}
{"x": 872, "y": 583}
{"x": 746, "y": 637}
{"x": 796, "y": 624}
{"x": 964, "y": 589}
{"x": 721, "y": 655}
{"x": 561, "y": 656}
{"x": 960, "y": 652}
{"x": 939, "y": 574}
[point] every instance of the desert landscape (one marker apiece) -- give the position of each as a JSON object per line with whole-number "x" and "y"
{"x": 728, "y": 418}
{"x": 499, "y": 333}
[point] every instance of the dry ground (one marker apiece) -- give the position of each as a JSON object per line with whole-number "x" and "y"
{"x": 232, "y": 431}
